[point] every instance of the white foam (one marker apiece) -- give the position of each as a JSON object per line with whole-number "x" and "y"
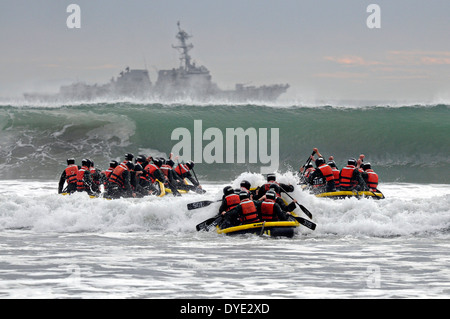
{"x": 407, "y": 209}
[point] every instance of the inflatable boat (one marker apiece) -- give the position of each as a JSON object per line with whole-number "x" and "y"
{"x": 345, "y": 194}
{"x": 159, "y": 187}
{"x": 272, "y": 229}
{"x": 186, "y": 189}
{"x": 349, "y": 194}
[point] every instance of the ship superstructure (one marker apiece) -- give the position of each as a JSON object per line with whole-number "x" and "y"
{"x": 188, "y": 81}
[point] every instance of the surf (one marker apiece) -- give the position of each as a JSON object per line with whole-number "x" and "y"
{"x": 36, "y": 206}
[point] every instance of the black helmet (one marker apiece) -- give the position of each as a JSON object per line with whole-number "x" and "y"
{"x": 271, "y": 177}
{"x": 129, "y": 156}
{"x": 308, "y": 165}
{"x": 157, "y": 162}
{"x": 227, "y": 190}
{"x": 190, "y": 164}
{"x": 140, "y": 159}
{"x": 366, "y": 166}
{"x": 91, "y": 162}
{"x": 271, "y": 195}
{"x": 351, "y": 161}
{"x": 84, "y": 162}
{"x": 244, "y": 195}
{"x": 245, "y": 184}
{"x": 275, "y": 187}
{"x": 331, "y": 164}
{"x": 113, "y": 164}
{"x": 170, "y": 162}
{"x": 319, "y": 161}
{"x": 130, "y": 165}
{"x": 70, "y": 161}
{"x": 138, "y": 167}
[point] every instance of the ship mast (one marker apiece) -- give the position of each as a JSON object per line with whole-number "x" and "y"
{"x": 182, "y": 36}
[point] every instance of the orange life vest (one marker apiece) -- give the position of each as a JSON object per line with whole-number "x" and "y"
{"x": 336, "y": 176}
{"x": 93, "y": 172}
{"x": 232, "y": 201}
{"x": 80, "y": 178}
{"x": 108, "y": 172}
{"x": 268, "y": 184}
{"x": 346, "y": 175}
{"x": 71, "y": 174}
{"x": 372, "y": 180}
{"x": 116, "y": 176}
{"x": 327, "y": 172}
{"x": 165, "y": 169}
{"x": 181, "y": 169}
{"x": 249, "y": 212}
{"x": 150, "y": 169}
{"x": 267, "y": 212}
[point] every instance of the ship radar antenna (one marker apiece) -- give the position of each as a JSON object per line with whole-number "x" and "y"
{"x": 184, "y": 47}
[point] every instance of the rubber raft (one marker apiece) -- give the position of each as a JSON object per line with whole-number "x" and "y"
{"x": 349, "y": 194}
{"x": 160, "y": 191}
{"x": 272, "y": 229}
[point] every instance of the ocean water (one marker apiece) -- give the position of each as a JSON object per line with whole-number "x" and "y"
{"x": 54, "y": 246}
{"x": 403, "y": 143}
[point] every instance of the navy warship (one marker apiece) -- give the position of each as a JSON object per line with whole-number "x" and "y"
{"x": 187, "y": 82}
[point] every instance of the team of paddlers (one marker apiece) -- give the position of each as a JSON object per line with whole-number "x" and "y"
{"x": 239, "y": 206}
{"x": 326, "y": 177}
{"x": 247, "y": 205}
{"x": 128, "y": 179}
{"x": 244, "y": 206}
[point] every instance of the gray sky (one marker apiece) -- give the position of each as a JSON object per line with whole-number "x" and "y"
{"x": 322, "y": 48}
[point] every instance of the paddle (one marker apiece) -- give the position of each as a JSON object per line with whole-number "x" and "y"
{"x": 201, "y": 204}
{"x": 303, "y": 208}
{"x": 309, "y": 159}
{"x": 195, "y": 175}
{"x": 210, "y": 222}
{"x": 305, "y": 222}
{"x": 304, "y": 165}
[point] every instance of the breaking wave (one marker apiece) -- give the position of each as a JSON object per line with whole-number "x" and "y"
{"x": 403, "y": 143}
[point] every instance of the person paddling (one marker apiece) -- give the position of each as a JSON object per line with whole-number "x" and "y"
{"x": 84, "y": 178}
{"x": 322, "y": 179}
{"x": 350, "y": 177}
{"x": 183, "y": 171}
{"x": 271, "y": 179}
{"x": 119, "y": 183}
{"x": 69, "y": 175}
{"x": 370, "y": 177}
{"x": 245, "y": 211}
{"x": 270, "y": 210}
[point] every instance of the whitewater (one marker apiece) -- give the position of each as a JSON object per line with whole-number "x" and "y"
{"x": 54, "y": 246}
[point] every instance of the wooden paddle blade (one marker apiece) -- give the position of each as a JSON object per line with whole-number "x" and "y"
{"x": 200, "y": 204}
